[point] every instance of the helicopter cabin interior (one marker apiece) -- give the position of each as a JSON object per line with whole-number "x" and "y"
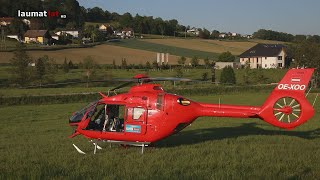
{"x": 117, "y": 118}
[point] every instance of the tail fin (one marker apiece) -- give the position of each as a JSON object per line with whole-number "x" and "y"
{"x": 287, "y": 106}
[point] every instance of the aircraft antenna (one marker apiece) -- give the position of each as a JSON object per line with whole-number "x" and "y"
{"x": 309, "y": 91}
{"x": 315, "y": 100}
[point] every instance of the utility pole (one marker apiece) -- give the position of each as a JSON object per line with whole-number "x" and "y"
{"x": 185, "y": 34}
{"x": 213, "y": 72}
{"x": 3, "y": 39}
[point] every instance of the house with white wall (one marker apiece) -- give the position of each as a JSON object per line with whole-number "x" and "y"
{"x": 193, "y": 31}
{"x": 265, "y": 56}
{"x": 106, "y": 28}
{"x": 221, "y": 65}
{"x": 73, "y": 33}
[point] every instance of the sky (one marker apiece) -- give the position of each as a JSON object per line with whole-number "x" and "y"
{"x": 241, "y": 16}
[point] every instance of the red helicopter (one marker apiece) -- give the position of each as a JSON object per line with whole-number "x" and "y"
{"x": 147, "y": 113}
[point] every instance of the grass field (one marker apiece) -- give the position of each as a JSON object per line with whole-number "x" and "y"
{"x": 34, "y": 144}
{"x": 214, "y": 46}
{"x": 165, "y": 48}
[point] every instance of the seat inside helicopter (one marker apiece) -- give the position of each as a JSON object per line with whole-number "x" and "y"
{"x": 107, "y": 118}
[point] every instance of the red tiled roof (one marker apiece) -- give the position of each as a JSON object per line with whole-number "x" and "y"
{"x": 6, "y": 19}
{"x": 127, "y": 29}
{"x": 35, "y": 33}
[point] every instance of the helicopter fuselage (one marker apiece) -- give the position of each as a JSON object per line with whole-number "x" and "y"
{"x": 150, "y": 114}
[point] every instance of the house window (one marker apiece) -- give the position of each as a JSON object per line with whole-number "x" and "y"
{"x": 279, "y": 64}
{"x": 257, "y": 60}
{"x": 279, "y": 57}
{"x": 265, "y": 65}
{"x": 265, "y": 57}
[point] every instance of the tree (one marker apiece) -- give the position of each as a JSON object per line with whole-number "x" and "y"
{"x": 21, "y": 72}
{"x": 124, "y": 63}
{"x": 18, "y": 27}
{"x": 95, "y": 14}
{"x": 126, "y": 20}
{"x": 273, "y": 35}
{"x": 70, "y": 65}
{"x": 114, "y": 64}
{"x": 227, "y": 76}
{"x": 89, "y": 65}
{"x": 214, "y": 34}
{"x": 65, "y": 66}
{"x": 179, "y": 72}
{"x": 226, "y": 57}
{"x": 206, "y": 62}
{"x": 45, "y": 70}
{"x": 247, "y": 73}
{"x": 148, "y": 65}
{"x": 40, "y": 69}
{"x": 182, "y": 60}
{"x": 307, "y": 54}
{"x": 195, "y": 61}
{"x": 155, "y": 65}
{"x": 204, "y": 34}
{"x": 204, "y": 76}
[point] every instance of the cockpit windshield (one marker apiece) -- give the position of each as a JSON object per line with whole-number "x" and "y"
{"x": 77, "y": 116}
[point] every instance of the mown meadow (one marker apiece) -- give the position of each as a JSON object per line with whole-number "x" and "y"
{"x": 34, "y": 144}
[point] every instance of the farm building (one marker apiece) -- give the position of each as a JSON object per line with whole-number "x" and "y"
{"x": 265, "y": 56}
{"x": 5, "y": 21}
{"x": 105, "y": 27}
{"x": 193, "y": 31}
{"x": 73, "y": 33}
{"x": 128, "y": 32}
{"x": 221, "y": 65}
{"x": 37, "y": 36}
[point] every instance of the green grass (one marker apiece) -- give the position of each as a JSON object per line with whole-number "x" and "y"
{"x": 34, "y": 144}
{"x": 143, "y": 45}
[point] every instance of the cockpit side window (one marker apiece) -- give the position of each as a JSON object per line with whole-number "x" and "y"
{"x": 160, "y": 101}
{"x": 107, "y": 118}
{"x": 137, "y": 113}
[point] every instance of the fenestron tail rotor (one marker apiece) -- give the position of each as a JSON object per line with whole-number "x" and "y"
{"x": 287, "y": 110}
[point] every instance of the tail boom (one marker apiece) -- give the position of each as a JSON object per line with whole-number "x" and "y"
{"x": 286, "y": 107}
{"x": 222, "y": 110}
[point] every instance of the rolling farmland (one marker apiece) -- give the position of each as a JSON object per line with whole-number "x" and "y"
{"x": 103, "y": 54}
{"x": 140, "y": 51}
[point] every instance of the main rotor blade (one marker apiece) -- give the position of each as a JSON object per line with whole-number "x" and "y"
{"x": 63, "y": 83}
{"x": 121, "y": 86}
{"x": 171, "y": 79}
{"x": 128, "y": 80}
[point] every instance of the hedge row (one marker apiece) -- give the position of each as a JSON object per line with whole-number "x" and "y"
{"x": 52, "y": 99}
{"x": 74, "y": 98}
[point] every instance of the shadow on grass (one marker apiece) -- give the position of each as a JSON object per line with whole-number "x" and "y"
{"x": 247, "y": 129}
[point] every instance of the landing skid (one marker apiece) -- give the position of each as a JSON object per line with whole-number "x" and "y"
{"x": 96, "y": 146}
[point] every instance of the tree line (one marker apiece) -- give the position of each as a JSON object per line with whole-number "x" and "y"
{"x": 77, "y": 16}
{"x": 286, "y": 37}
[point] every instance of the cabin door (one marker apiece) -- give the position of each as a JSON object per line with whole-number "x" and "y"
{"x": 136, "y": 120}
